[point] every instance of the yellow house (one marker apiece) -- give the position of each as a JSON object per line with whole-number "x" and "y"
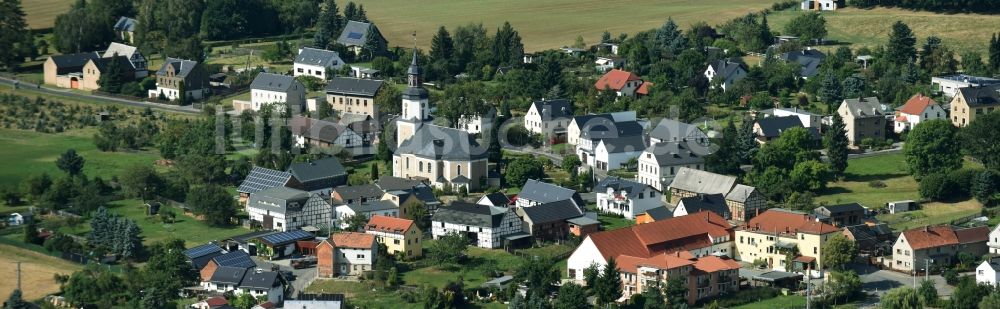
{"x": 400, "y": 236}
{"x": 972, "y": 102}
{"x": 779, "y": 236}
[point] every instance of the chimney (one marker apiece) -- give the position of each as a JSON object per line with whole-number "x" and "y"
{"x": 926, "y": 228}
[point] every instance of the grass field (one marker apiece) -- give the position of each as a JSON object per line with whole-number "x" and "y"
{"x": 780, "y": 302}
{"x": 192, "y": 231}
{"x": 42, "y": 13}
{"x": 37, "y": 271}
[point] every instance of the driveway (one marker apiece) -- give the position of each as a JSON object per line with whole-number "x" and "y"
{"x": 29, "y": 87}
{"x": 877, "y": 282}
{"x": 301, "y": 278}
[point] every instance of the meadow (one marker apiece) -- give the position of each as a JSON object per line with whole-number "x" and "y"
{"x": 42, "y": 13}
{"x": 194, "y": 232}
{"x": 37, "y": 271}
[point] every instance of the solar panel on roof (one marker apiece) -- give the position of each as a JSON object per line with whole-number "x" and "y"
{"x": 261, "y": 179}
{"x": 202, "y": 250}
{"x": 235, "y": 259}
{"x": 285, "y": 237}
{"x": 354, "y": 35}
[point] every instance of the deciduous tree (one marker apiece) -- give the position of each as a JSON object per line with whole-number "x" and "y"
{"x": 932, "y": 147}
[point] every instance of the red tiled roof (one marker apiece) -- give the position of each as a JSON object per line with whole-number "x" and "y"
{"x": 901, "y": 118}
{"x": 668, "y": 260}
{"x": 971, "y": 235}
{"x": 936, "y": 236}
{"x": 917, "y": 104}
{"x": 267, "y": 305}
{"x": 615, "y": 79}
{"x": 306, "y": 244}
{"x": 805, "y": 259}
{"x": 711, "y": 264}
{"x": 644, "y": 88}
{"x": 668, "y": 235}
{"x": 352, "y": 240}
{"x": 216, "y": 301}
{"x": 783, "y": 221}
{"x": 388, "y": 224}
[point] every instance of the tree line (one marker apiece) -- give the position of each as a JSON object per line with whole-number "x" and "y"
{"x": 947, "y": 6}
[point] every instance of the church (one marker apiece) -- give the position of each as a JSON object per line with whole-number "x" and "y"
{"x": 440, "y": 155}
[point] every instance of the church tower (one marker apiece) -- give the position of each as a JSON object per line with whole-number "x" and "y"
{"x": 416, "y": 109}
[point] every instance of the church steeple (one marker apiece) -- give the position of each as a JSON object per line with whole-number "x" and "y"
{"x": 414, "y": 71}
{"x": 416, "y": 106}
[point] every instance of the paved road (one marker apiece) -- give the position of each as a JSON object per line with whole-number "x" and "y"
{"x": 301, "y": 278}
{"x": 877, "y": 282}
{"x": 29, "y": 87}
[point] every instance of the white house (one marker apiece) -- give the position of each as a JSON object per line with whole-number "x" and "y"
{"x": 284, "y": 209}
{"x": 917, "y": 109}
{"x": 994, "y": 241}
{"x": 808, "y": 119}
{"x": 949, "y": 85}
{"x": 988, "y": 272}
{"x": 670, "y": 130}
{"x": 262, "y": 284}
{"x": 135, "y": 57}
{"x": 819, "y": 5}
{"x": 626, "y": 198}
{"x": 604, "y": 64}
{"x": 725, "y": 73}
{"x": 314, "y": 132}
{"x": 620, "y": 140}
{"x": 584, "y": 122}
{"x": 18, "y": 219}
{"x": 479, "y": 124}
{"x": 269, "y": 88}
{"x": 623, "y": 83}
{"x": 706, "y": 202}
{"x": 615, "y": 153}
{"x": 548, "y": 117}
{"x": 536, "y": 192}
{"x": 346, "y": 254}
{"x": 484, "y": 226}
{"x": 315, "y": 62}
{"x": 660, "y": 162}
{"x": 367, "y": 209}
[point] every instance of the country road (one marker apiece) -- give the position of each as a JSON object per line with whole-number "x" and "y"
{"x": 66, "y": 93}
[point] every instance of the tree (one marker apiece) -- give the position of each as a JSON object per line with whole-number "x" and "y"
{"x": 140, "y": 181}
{"x": 31, "y": 233}
{"x": 836, "y": 143}
{"x": 901, "y": 298}
{"x": 244, "y": 301}
{"x": 609, "y": 284}
{"x": 676, "y": 293}
{"x": 570, "y": 163}
{"x": 328, "y": 24}
{"x": 166, "y": 271}
{"x": 356, "y": 222}
{"x": 387, "y": 99}
{"x": 932, "y": 147}
{"x": 571, "y": 296}
{"x": 990, "y": 301}
{"x": 928, "y": 293}
{"x": 14, "y": 34}
{"x": 808, "y": 27}
{"x": 521, "y": 169}
{"x": 85, "y": 27}
{"x": 538, "y": 274}
{"x": 36, "y": 185}
{"x": 829, "y": 90}
{"x": 213, "y": 202}
{"x": 113, "y": 77}
{"x": 809, "y": 175}
{"x": 507, "y": 47}
{"x": 901, "y": 47}
{"x": 994, "y": 55}
{"x": 590, "y": 276}
{"x": 980, "y": 141}
{"x": 839, "y": 251}
{"x": 853, "y": 87}
{"x": 16, "y": 301}
{"x": 70, "y": 162}
{"x": 844, "y": 285}
{"x": 985, "y": 186}
{"x": 669, "y": 38}
{"x": 448, "y": 249}
{"x": 747, "y": 142}
{"x": 374, "y": 171}
{"x": 726, "y": 160}
{"x": 968, "y": 294}
{"x": 442, "y": 50}
{"x": 651, "y": 298}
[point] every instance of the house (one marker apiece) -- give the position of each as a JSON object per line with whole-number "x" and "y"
{"x": 319, "y": 176}
{"x": 864, "y": 118}
{"x": 368, "y": 209}
{"x": 654, "y": 214}
{"x": 770, "y": 128}
{"x": 97, "y": 67}
{"x": 261, "y": 178}
{"x": 949, "y": 85}
{"x": 660, "y": 162}
{"x": 586, "y": 122}
{"x": 400, "y": 236}
{"x": 608, "y": 47}
{"x": 269, "y": 88}
{"x": 549, "y": 118}
{"x": 346, "y": 254}
{"x": 548, "y": 221}
{"x": 988, "y": 272}
{"x": 572, "y": 51}
{"x": 774, "y": 235}
{"x": 623, "y": 141}
{"x": 136, "y": 59}
{"x": 479, "y": 123}
{"x": 725, "y": 73}
{"x": 616, "y": 153}
{"x": 332, "y": 136}
{"x": 535, "y": 192}
{"x": 356, "y": 194}
{"x": 356, "y": 34}
{"x": 179, "y": 73}
{"x": 584, "y": 225}
{"x": 232, "y": 259}
{"x": 353, "y": 95}
{"x": 901, "y": 206}
{"x": 670, "y": 130}
{"x": 744, "y": 201}
{"x": 704, "y": 278}
{"x": 818, "y": 5}
{"x": 917, "y": 109}
{"x": 285, "y": 209}
{"x": 19, "y": 219}
{"x": 970, "y": 102}
{"x": 809, "y": 59}
{"x": 245, "y": 243}
{"x": 484, "y": 226}
{"x": 365, "y": 73}
{"x": 695, "y": 235}
{"x": 66, "y": 71}
{"x": 623, "y": 83}
{"x": 604, "y": 64}
{"x": 842, "y": 214}
{"x": 316, "y": 301}
{"x": 402, "y": 191}
{"x": 715, "y": 203}
{"x": 316, "y": 62}
{"x": 625, "y": 197}
{"x": 994, "y": 240}
{"x": 498, "y": 199}
{"x": 225, "y": 279}
{"x": 363, "y": 125}
{"x": 263, "y": 285}
{"x": 917, "y": 248}
{"x": 442, "y": 156}
{"x": 282, "y": 244}
{"x": 211, "y": 303}
{"x": 125, "y": 29}
{"x": 808, "y": 120}
{"x": 874, "y": 240}
{"x": 199, "y": 256}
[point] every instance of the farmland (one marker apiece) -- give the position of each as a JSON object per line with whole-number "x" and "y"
{"x": 42, "y": 13}
{"x": 37, "y": 271}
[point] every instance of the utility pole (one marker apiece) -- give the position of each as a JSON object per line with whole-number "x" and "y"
{"x": 18, "y": 275}
{"x": 808, "y": 298}
{"x": 927, "y": 269}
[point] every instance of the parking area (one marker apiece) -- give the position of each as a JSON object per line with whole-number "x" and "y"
{"x": 877, "y": 282}
{"x": 299, "y": 279}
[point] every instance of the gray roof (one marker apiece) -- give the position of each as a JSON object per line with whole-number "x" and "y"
{"x": 228, "y": 275}
{"x": 261, "y": 178}
{"x": 275, "y": 82}
{"x": 390, "y": 183}
{"x": 551, "y": 212}
{"x": 317, "y": 57}
{"x": 125, "y": 24}
{"x": 809, "y": 59}
{"x": 244, "y": 238}
{"x": 372, "y": 205}
{"x": 279, "y": 195}
{"x": 353, "y": 86}
{"x": 774, "y": 126}
{"x": 437, "y": 143}
{"x": 553, "y": 109}
{"x": 355, "y": 33}
{"x": 698, "y": 181}
{"x": 670, "y": 130}
{"x": 317, "y": 129}
{"x": 583, "y": 220}
{"x": 322, "y": 169}
{"x": 982, "y": 95}
{"x": 260, "y": 280}
{"x": 660, "y": 213}
{"x": 181, "y": 67}
{"x": 726, "y": 70}
{"x": 497, "y": 198}
{"x": 598, "y": 128}
{"x": 74, "y": 60}
{"x": 674, "y": 153}
{"x": 624, "y": 144}
{"x": 834, "y": 209}
{"x": 543, "y": 192}
{"x": 120, "y": 49}
{"x": 706, "y": 202}
{"x": 286, "y": 237}
{"x": 358, "y": 191}
{"x": 740, "y": 193}
{"x": 470, "y": 214}
{"x": 618, "y": 184}
{"x": 864, "y": 107}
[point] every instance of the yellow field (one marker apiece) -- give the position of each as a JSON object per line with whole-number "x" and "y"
{"x": 42, "y": 13}
{"x": 37, "y": 272}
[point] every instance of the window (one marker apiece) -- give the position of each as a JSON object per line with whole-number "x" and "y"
{"x": 300, "y": 70}
{"x": 395, "y": 241}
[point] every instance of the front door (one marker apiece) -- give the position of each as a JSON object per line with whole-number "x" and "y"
{"x": 74, "y": 83}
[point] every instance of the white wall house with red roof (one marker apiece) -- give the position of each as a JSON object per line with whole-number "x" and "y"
{"x": 623, "y": 83}
{"x": 917, "y": 109}
{"x": 772, "y": 235}
{"x": 921, "y": 247}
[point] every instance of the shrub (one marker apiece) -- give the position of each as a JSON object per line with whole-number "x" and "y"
{"x": 937, "y": 187}
{"x": 876, "y": 184}
{"x": 962, "y": 179}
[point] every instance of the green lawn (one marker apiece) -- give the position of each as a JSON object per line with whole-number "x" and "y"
{"x": 780, "y": 302}
{"x": 889, "y": 169}
{"x": 192, "y": 231}
{"x": 29, "y": 153}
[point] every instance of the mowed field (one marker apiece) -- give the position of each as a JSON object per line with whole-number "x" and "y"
{"x": 42, "y": 13}
{"x": 546, "y": 24}
{"x": 37, "y": 271}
